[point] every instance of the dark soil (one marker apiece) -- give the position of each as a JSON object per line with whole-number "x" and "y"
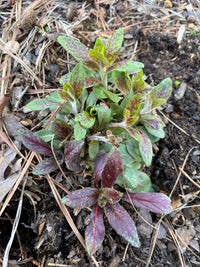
{"x": 55, "y": 242}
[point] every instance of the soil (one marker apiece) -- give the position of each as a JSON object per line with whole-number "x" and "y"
{"x": 44, "y": 237}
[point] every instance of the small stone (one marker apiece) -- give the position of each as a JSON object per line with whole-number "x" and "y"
{"x": 71, "y": 11}
{"x": 191, "y": 18}
{"x": 26, "y": 122}
{"x": 14, "y": 45}
{"x": 144, "y": 228}
{"x": 162, "y": 233}
{"x": 191, "y": 25}
{"x": 168, "y": 4}
{"x": 169, "y": 108}
{"x": 181, "y": 91}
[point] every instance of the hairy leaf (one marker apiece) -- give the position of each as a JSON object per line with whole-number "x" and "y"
{"x": 145, "y": 145}
{"x": 161, "y": 92}
{"x": 78, "y": 50}
{"x": 99, "y": 164}
{"x": 82, "y": 198}
{"x": 94, "y": 233}
{"x": 35, "y": 143}
{"x": 61, "y": 129}
{"x": 85, "y": 119}
{"x": 93, "y": 148}
{"x": 121, "y": 221}
{"x": 137, "y": 83}
{"x": 65, "y": 95}
{"x": 132, "y": 147}
{"x": 126, "y": 66}
{"x": 114, "y": 44}
{"x": 100, "y": 47}
{"x": 77, "y": 80}
{"x": 128, "y": 159}
{"x": 79, "y": 132}
{"x": 73, "y": 149}
{"x": 99, "y": 92}
{"x": 156, "y": 132}
{"x": 47, "y": 165}
{"x": 156, "y": 202}
{"x": 112, "y": 169}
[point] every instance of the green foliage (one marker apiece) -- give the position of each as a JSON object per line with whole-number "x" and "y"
{"x": 106, "y": 106}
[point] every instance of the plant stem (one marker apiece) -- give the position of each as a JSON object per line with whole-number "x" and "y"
{"x": 98, "y": 138}
{"x": 116, "y": 124}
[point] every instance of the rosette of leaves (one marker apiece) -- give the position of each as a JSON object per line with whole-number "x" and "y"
{"x": 104, "y": 198}
{"x": 108, "y": 101}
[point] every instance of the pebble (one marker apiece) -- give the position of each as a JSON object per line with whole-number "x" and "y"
{"x": 169, "y": 108}
{"x": 168, "y": 4}
{"x": 162, "y": 233}
{"x": 191, "y": 25}
{"x": 181, "y": 91}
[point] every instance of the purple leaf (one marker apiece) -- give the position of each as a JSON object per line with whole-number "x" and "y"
{"x": 81, "y": 198}
{"x": 156, "y": 202}
{"x": 65, "y": 78}
{"x": 78, "y": 50}
{"x": 112, "y": 169}
{"x": 45, "y": 166}
{"x": 99, "y": 163}
{"x": 145, "y": 145}
{"x": 120, "y": 80}
{"x": 61, "y": 129}
{"x": 121, "y": 221}
{"x": 77, "y": 80}
{"x": 35, "y": 143}
{"x": 94, "y": 233}
{"x": 73, "y": 149}
{"x": 91, "y": 81}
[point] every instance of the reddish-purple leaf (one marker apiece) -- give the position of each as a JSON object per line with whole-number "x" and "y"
{"x": 112, "y": 169}
{"x": 145, "y": 145}
{"x": 78, "y": 50}
{"x": 121, "y": 221}
{"x": 61, "y": 129}
{"x": 73, "y": 149}
{"x": 151, "y": 121}
{"x": 77, "y": 80}
{"x": 91, "y": 81}
{"x": 94, "y": 233}
{"x": 47, "y": 165}
{"x": 81, "y": 198}
{"x": 156, "y": 202}
{"x": 121, "y": 81}
{"x": 35, "y": 143}
{"x": 99, "y": 163}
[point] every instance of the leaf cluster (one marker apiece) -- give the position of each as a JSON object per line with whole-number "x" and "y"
{"x": 108, "y": 119}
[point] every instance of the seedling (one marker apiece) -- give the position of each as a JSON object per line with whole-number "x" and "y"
{"x": 108, "y": 120}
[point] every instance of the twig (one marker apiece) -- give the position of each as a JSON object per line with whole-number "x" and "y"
{"x": 189, "y": 178}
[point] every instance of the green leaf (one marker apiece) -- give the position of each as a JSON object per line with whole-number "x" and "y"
{"x": 161, "y": 92}
{"x": 93, "y": 148}
{"x": 112, "y": 96}
{"x": 79, "y": 132}
{"x": 99, "y": 92}
{"x": 78, "y": 50}
{"x": 85, "y": 119}
{"x": 114, "y": 44}
{"x": 121, "y": 81}
{"x": 41, "y": 104}
{"x": 132, "y": 147}
{"x": 100, "y": 47}
{"x": 156, "y": 132}
{"x": 98, "y": 58}
{"x": 104, "y": 116}
{"x": 152, "y": 138}
{"x": 131, "y": 109}
{"x": 77, "y": 80}
{"x": 145, "y": 145}
{"x": 128, "y": 160}
{"x": 137, "y": 83}
{"x": 46, "y": 135}
{"x": 126, "y": 66}
{"x": 135, "y": 180}
{"x": 91, "y": 100}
